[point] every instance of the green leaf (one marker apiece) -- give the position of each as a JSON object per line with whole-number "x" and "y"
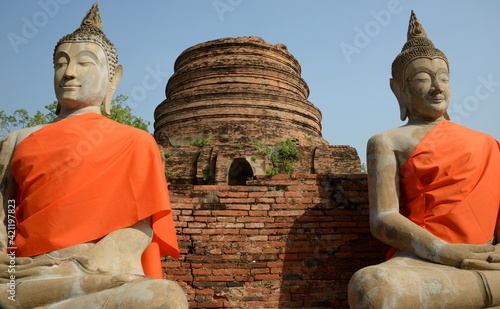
{"x": 20, "y": 119}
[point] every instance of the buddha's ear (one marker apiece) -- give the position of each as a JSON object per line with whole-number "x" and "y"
{"x": 446, "y": 116}
{"x": 58, "y": 108}
{"x": 401, "y": 97}
{"x": 112, "y": 88}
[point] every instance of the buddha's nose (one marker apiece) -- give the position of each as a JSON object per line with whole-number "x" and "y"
{"x": 436, "y": 86}
{"x": 70, "y": 72}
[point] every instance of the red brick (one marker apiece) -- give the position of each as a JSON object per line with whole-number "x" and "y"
{"x": 224, "y": 219}
{"x": 249, "y": 188}
{"x": 193, "y": 225}
{"x": 221, "y": 231}
{"x": 266, "y": 194}
{"x": 197, "y": 213}
{"x": 260, "y": 207}
{"x": 205, "y": 291}
{"x": 238, "y": 206}
{"x": 285, "y": 213}
{"x": 232, "y": 194}
{"x": 191, "y": 231}
{"x": 268, "y": 277}
{"x": 260, "y": 271}
{"x": 218, "y": 278}
{"x": 249, "y": 232}
{"x": 281, "y": 176}
{"x": 235, "y": 213}
{"x": 182, "y": 200}
{"x": 237, "y": 200}
{"x": 265, "y": 200}
{"x": 304, "y": 188}
{"x": 208, "y": 305}
{"x": 202, "y": 272}
{"x": 254, "y": 225}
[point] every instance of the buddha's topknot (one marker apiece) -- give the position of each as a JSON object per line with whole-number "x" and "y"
{"x": 90, "y": 30}
{"x": 418, "y": 45}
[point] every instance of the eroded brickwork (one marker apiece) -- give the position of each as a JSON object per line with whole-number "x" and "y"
{"x": 286, "y": 241}
{"x": 236, "y": 111}
{"x": 212, "y": 164}
{"x": 231, "y": 90}
{"x": 236, "y": 99}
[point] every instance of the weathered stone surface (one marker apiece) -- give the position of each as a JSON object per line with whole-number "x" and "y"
{"x": 433, "y": 196}
{"x": 55, "y": 262}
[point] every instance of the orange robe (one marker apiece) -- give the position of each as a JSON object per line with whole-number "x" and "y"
{"x": 84, "y": 177}
{"x": 450, "y": 184}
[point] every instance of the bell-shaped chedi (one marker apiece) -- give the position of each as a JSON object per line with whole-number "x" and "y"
{"x": 237, "y": 109}
{"x": 237, "y": 90}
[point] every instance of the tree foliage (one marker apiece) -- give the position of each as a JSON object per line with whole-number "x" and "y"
{"x": 363, "y": 168}
{"x": 20, "y": 119}
{"x": 122, "y": 113}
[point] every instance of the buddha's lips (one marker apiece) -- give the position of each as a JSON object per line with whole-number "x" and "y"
{"x": 436, "y": 99}
{"x": 69, "y": 87}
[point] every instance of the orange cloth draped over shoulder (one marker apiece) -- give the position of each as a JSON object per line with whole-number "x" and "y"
{"x": 84, "y": 177}
{"x": 450, "y": 184}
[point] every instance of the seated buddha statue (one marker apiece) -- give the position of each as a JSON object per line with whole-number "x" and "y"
{"x": 86, "y": 214}
{"x": 434, "y": 194}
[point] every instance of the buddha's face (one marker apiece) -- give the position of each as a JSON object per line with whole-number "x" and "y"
{"x": 81, "y": 76}
{"x": 427, "y": 87}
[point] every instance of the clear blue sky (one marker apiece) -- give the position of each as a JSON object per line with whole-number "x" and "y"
{"x": 345, "y": 49}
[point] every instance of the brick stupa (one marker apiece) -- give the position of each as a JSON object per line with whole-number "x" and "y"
{"x": 233, "y": 108}
{"x": 268, "y": 214}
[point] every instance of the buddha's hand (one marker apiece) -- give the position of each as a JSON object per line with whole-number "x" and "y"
{"x": 25, "y": 268}
{"x": 491, "y": 262}
{"x": 495, "y": 256}
{"x": 479, "y": 265}
{"x": 22, "y": 266}
{"x": 456, "y": 254}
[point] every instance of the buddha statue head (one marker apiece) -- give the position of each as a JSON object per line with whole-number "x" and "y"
{"x": 420, "y": 76}
{"x": 86, "y": 69}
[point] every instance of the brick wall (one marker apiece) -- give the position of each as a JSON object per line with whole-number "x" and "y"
{"x": 284, "y": 241}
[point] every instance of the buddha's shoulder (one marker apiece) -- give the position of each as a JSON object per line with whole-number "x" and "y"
{"x": 391, "y": 138}
{"x": 132, "y": 132}
{"x": 120, "y": 131}
{"x": 15, "y": 137}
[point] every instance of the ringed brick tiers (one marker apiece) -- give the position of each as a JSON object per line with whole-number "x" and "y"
{"x": 230, "y": 103}
{"x": 231, "y": 89}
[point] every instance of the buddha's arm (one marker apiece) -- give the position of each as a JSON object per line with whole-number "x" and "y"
{"x": 493, "y": 261}
{"x": 392, "y": 228}
{"x": 119, "y": 251}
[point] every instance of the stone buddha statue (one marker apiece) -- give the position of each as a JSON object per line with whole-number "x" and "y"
{"x": 434, "y": 193}
{"x": 86, "y": 214}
